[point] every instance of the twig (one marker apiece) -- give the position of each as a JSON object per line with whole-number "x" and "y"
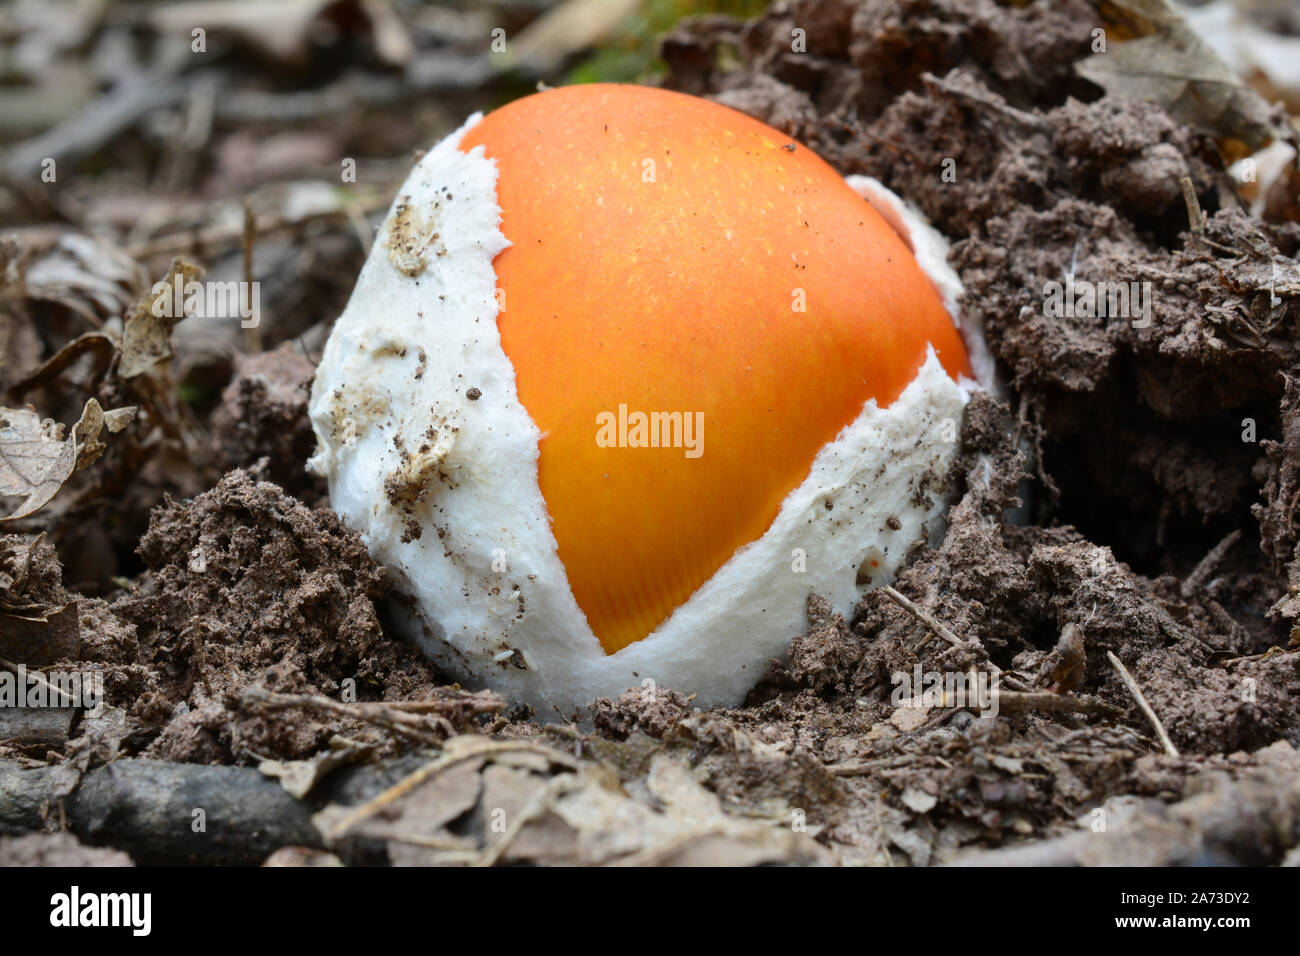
{"x": 985, "y": 99}
{"x": 20, "y": 576}
{"x": 1195, "y": 218}
{"x": 864, "y": 768}
{"x": 1055, "y": 704}
{"x": 453, "y": 845}
{"x": 189, "y": 240}
{"x": 486, "y": 748}
{"x": 102, "y": 120}
{"x": 925, "y": 617}
{"x": 381, "y": 716}
{"x": 1136, "y": 691}
{"x": 539, "y": 804}
{"x": 1272, "y": 651}
{"x": 657, "y": 854}
{"x": 195, "y": 630}
{"x": 252, "y": 334}
{"x": 472, "y": 702}
{"x": 938, "y": 627}
{"x": 1205, "y": 567}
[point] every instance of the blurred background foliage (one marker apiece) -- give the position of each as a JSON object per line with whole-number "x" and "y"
{"x": 632, "y": 52}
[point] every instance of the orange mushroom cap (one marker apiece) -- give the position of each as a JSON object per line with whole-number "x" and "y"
{"x": 673, "y": 255}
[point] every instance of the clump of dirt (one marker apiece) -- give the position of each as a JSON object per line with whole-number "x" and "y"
{"x": 31, "y": 577}
{"x": 263, "y": 418}
{"x": 247, "y": 587}
{"x": 56, "y": 849}
{"x": 859, "y": 57}
{"x": 40, "y": 621}
{"x": 648, "y": 709}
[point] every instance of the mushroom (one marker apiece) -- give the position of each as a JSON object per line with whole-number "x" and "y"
{"x": 629, "y": 375}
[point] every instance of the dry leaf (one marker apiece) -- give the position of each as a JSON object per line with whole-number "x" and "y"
{"x": 90, "y": 277}
{"x": 426, "y": 810}
{"x": 301, "y": 856}
{"x": 1170, "y": 65}
{"x": 517, "y": 802}
{"x": 918, "y": 801}
{"x": 36, "y": 459}
{"x": 118, "y": 418}
{"x": 289, "y": 31}
{"x": 146, "y": 337}
{"x": 566, "y": 29}
{"x": 300, "y": 777}
{"x": 96, "y": 344}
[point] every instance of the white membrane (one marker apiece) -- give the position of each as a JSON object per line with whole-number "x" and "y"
{"x": 481, "y": 588}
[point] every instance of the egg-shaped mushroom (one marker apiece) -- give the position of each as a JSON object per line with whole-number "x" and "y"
{"x": 627, "y": 376}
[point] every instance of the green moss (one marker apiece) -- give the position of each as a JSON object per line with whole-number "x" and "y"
{"x": 633, "y": 55}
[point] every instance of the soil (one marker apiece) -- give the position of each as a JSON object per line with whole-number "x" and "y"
{"x": 1129, "y": 491}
